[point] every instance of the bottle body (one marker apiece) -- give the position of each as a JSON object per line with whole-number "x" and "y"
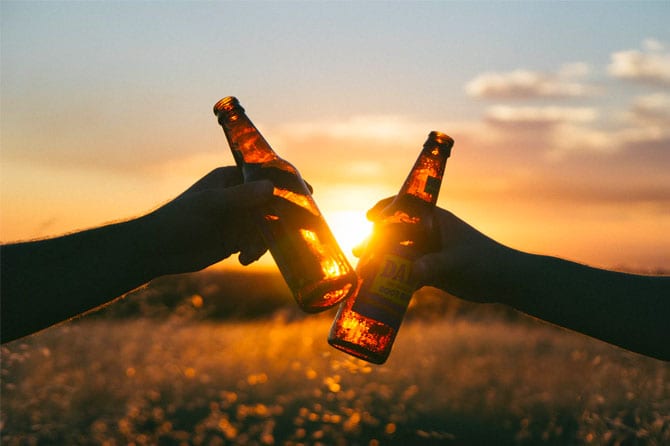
{"x": 367, "y": 323}
{"x": 298, "y": 237}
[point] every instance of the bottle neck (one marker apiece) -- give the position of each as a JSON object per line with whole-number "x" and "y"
{"x": 246, "y": 142}
{"x": 425, "y": 178}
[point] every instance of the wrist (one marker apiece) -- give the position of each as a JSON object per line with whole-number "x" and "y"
{"x": 519, "y": 273}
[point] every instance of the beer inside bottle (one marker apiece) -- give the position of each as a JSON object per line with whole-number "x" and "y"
{"x": 299, "y": 239}
{"x": 367, "y": 323}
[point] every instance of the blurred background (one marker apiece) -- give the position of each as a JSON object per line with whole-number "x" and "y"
{"x": 560, "y": 112}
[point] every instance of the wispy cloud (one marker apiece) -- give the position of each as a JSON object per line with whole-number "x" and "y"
{"x": 649, "y": 65}
{"x": 525, "y": 84}
{"x": 553, "y": 131}
{"x": 373, "y": 147}
{"x": 538, "y": 116}
{"x": 560, "y": 132}
{"x": 370, "y": 128}
{"x": 652, "y": 109}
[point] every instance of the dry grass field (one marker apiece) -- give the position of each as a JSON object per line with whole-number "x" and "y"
{"x": 179, "y": 379}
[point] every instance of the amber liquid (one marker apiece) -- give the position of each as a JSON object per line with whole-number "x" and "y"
{"x": 301, "y": 243}
{"x": 366, "y": 324}
{"x": 361, "y": 336}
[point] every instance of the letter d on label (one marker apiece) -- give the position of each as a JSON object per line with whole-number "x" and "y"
{"x": 389, "y": 269}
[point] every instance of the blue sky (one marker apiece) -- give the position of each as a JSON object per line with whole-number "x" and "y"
{"x": 559, "y": 108}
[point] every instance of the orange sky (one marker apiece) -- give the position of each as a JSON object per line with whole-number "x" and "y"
{"x": 561, "y": 128}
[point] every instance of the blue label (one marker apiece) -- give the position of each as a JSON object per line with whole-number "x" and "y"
{"x": 385, "y": 295}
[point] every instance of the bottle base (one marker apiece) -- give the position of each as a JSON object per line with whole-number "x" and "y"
{"x": 355, "y": 350}
{"x": 360, "y": 336}
{"x": 326, "y": 294}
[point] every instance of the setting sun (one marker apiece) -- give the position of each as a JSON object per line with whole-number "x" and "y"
{"x": 350, "y": 228}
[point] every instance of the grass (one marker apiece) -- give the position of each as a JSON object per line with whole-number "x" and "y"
{"x": 176, "y": 380}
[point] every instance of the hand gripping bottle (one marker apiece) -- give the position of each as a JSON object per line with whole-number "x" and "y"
{"x": 302, "y": 245}
{"x": 367, "y": 323}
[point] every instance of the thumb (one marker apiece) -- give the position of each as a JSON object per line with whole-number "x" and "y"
{"x": 375, "y": 213}
{"x": 247, "y": 195}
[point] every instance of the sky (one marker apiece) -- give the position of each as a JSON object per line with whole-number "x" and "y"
{"x": 560, "y": 112}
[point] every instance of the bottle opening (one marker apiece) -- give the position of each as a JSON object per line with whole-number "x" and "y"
{"x": 227, "y": 104}
{"x": 441, "y": 139}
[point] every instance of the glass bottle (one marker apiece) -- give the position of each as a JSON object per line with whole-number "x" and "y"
{"x": 297, "y": 236}
{"x": 367, "y": 323}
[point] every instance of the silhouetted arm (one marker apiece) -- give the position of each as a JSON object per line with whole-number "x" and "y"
{"x": 628, "y": 310}
{"x": 48, "y": 281}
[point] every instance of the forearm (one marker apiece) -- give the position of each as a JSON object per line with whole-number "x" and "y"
{"x": 631, "y": 311}
{"x": 48, "y": 281}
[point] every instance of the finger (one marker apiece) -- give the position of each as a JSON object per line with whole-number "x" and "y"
{"x": 243, "y": 196}
{"x": 220, "y": 177}
{"x": 250, "y": 195}
{"x": 252, "y": 245}
{"x": 359, "y": 249}
{"x": 376, "y": 211}
{"x": 226, "y": 176}
{"x": 248, "y": 257}
{"x": 253, "y": 251}
{"x": 309, "y": 186}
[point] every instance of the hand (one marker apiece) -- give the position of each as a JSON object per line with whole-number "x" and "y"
{"x": 628, "y": 310}
{"x": 210, "y": 221}
{"x": 468, "y": 265}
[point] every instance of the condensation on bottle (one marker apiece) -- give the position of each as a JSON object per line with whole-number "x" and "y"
{"x": 367, "y": 323}
{"x": 298, "y": 237}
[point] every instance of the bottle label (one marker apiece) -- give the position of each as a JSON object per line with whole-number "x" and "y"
{"x": 387, "y": 292}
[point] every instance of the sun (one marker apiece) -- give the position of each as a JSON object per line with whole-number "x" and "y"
{"x": 350, "y": 228}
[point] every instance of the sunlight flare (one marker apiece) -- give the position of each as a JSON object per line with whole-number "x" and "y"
{"x": 350, "y": 229}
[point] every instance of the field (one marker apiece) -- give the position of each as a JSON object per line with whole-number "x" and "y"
{"x": 172, "y": 371}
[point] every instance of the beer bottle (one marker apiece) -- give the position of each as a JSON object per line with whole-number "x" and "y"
{"x": 367, "y": 323}
{"x": 302, "y": 245}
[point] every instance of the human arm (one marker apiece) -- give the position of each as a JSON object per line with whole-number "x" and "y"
{"x": 628, "y": 310}
{"x": 47, "y": 281}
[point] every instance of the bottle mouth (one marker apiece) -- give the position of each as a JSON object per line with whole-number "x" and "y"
{"x": 227, "y": 104}
{"x": 441, "y": 139}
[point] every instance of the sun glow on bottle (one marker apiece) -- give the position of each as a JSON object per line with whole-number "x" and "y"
{"x": 367, "y": 322}
{"x": 298, "y": 237}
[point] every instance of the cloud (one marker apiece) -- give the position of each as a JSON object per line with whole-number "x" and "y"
{"x": 526, "y": 84}
{"x": 375, "y": 128}
{"x": 653, "y": 109}
{"x": 555, "y": 131}
{"x": 646, "y": 129}
{"x": 378, "y": 157}
{"x": 538, "y": 116}
{"x": 373, "y": 146}
{"x": 574, "y": 70}
{"x": 651, "y": 65}
{"x": 561, "y": 132}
